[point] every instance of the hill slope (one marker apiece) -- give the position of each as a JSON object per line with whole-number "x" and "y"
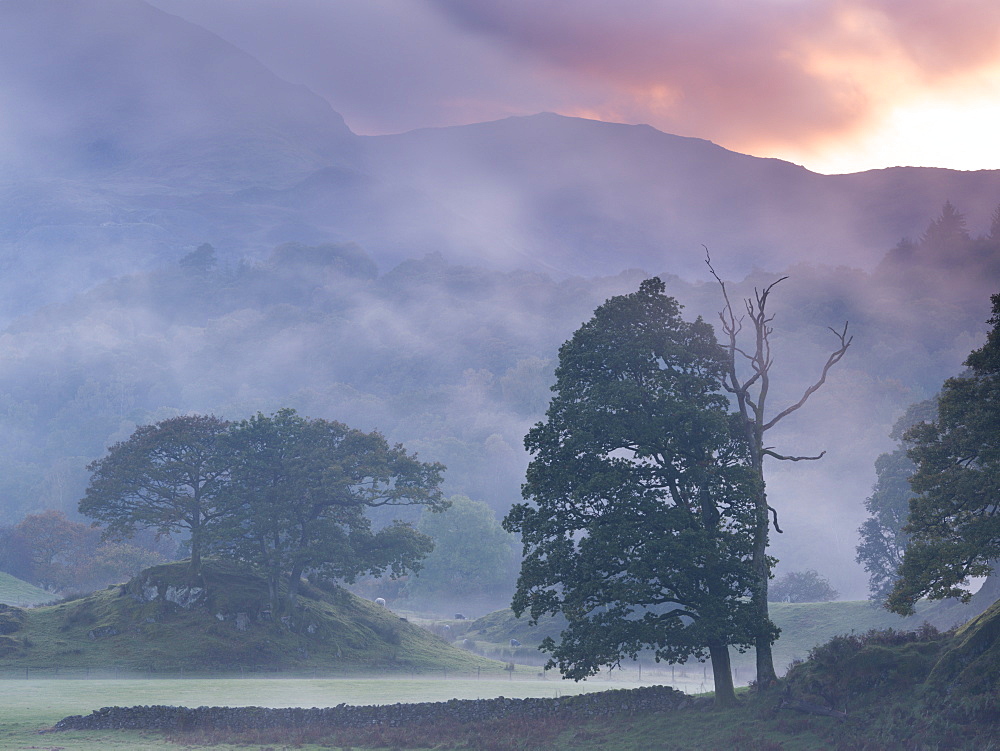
{"x": 162, "y": 622}
{"x": 14, "y": 591}
{"x": 131, "y": 136}
{"x": 803, "y": 627}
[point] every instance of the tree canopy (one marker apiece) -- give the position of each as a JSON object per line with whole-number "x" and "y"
{"x": 167, "y": 477}
{"x": 283, "y": 493}
{"x": 802, "y": 586}
{"x": 640, "y": 500}
{"x": 954, "y": 522}
{"x": 298, "y": 496}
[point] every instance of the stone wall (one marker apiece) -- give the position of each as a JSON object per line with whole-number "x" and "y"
{"x": 622, "y": 701}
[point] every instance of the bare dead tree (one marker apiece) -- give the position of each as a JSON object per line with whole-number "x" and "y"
{"x": 750, "y": 392}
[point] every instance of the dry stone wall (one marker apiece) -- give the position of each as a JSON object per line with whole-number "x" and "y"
{"x": 618, "y": 702}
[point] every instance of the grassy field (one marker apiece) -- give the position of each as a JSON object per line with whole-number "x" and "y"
{"x": 884, "y": 681}
{"x": 30, "y": 706}
{"x": 14, "y": 591}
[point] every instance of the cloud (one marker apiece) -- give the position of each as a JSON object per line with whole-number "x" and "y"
{"x": 792, "y": 78}
{"x": 746, "y": 73}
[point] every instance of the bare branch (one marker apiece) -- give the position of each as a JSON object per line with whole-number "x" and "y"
{"x": 774, "y": 512}
{"x": 832, "y": 360}
{"x": 772, "y": 453}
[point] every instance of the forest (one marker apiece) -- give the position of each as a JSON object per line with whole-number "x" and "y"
{"x": 455, "y": 362}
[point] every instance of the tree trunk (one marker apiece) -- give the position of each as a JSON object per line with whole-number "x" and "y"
{"x": 722, "y": 673}
{"x": 294, "y": 579}
{"x": 195, "y": 565}
{"x": 766, "y": 677}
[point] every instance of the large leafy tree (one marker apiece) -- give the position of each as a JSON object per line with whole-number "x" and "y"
{"x": 639, "y": 515}
{"x": 167, "y": 477}
{"x": 954, "y": 522}
{"x": 299, "y": 495}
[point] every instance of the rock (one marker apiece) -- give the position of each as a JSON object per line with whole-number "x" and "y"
{"x": 185, "y": 597}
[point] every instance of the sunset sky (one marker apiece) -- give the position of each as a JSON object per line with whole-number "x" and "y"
{"x": 835, "y": 85}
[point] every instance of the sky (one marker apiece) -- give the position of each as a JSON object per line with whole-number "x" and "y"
{"x": 834, "y": 85}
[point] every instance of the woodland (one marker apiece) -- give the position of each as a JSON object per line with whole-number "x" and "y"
{"x": 455, "y": 362}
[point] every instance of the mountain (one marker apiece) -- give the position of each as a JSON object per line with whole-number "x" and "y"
{"x": 581, "y": 196}
{"x": 112, "y": 111}
{"x": 119, "y": 92}
{"x": 130, "y": 137}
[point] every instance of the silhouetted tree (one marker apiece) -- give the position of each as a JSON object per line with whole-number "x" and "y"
{"x": 954, "y": 522}
{"x": 882, "y": 538}
{"x": 640, "y": 514}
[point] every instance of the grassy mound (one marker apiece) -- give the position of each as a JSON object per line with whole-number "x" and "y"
{"x": 971, "y": 664}
{"x": 922, "y": 689}
{"x": 164, "y": 622}
{"x": 14, "y": 591}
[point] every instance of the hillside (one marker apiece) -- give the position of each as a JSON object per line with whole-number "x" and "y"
{"x": 14, "y": 591}
{"x": 163, "y": 623}
{"x": 159, "y": 136}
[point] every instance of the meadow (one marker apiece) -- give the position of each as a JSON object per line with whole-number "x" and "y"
{"x": 33, "y": 705}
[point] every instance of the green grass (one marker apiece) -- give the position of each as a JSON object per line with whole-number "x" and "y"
{"x": 330, "y": 633}
{"x": 14, "y": 591}
{"x": 34, "y": 705}
{"x": 884, "y": 680}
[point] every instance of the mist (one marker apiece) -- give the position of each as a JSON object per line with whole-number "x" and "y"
{"x": 421, "y": 283}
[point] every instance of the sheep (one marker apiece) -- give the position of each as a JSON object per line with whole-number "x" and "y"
{"x": 380, "y": 601}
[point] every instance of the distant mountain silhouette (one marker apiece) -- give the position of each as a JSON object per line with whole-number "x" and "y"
{"x": 129, "y": 137}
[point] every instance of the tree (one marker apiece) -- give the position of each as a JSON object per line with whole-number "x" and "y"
{"x": 750, "y": 391}
{"x": 802, "y": 586}
{"x": 882, "y": 536}
{"x": 472, "y": 556}
{"x": 954, "y": 522}
{"x": 57, "y": 548}
{"x": 639, "y": 516}
{"x": 298, "y": 497}
{"x": 167, "y": 477}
